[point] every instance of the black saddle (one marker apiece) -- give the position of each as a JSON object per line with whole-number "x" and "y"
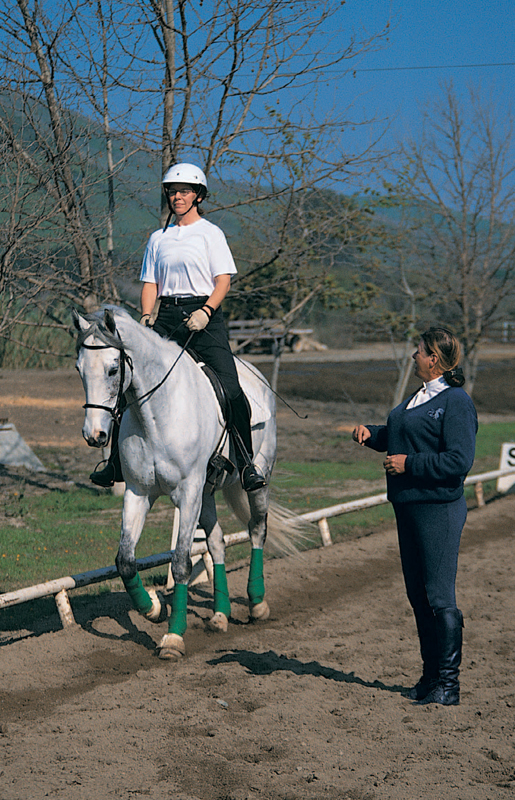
{"x": 217, "y": 385}
{"x": 224, "y": 402}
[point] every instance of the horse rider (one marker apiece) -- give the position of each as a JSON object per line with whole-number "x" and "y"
{"x": 187, "y": 267}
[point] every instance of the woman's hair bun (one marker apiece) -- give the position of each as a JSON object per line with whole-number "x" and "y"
{"x": 454, "y": 377}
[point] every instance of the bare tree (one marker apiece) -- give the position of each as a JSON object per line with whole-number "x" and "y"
{"x": 223, "y": 74}
{"x": 48, "y": 156}
{"x": 459, "y": 176}
{"x": 296, "y": 243}
{"x": 58, "y": 68}
{"x": 230, "y": 84}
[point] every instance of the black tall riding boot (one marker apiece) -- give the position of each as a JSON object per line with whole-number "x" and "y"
{"x": 112, "y": 472}
{"x": 449, "y": 627}
{"x": 251, "y": 478}
{"x": 426, "y": 628}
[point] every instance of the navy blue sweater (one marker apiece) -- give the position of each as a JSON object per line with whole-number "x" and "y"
{"x": 438, "y": 438}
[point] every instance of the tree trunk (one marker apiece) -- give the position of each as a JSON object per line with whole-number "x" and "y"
{"x": 405, "y": 368}
{"x": 278, "y": 352}
{"x": 470, "y": 365}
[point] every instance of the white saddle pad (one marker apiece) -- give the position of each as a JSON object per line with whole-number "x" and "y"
{"x": 256, "y": 389}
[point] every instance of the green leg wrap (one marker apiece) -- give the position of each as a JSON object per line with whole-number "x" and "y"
{"x": 138, "y": 594}
{"x": 256, "y": 582}
{"x": 221, "y": 591}
{"x": 177, "y": 622}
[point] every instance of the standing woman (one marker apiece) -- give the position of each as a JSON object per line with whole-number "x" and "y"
{"x": 187, "y": 267}
{"x": 430, "y": 444}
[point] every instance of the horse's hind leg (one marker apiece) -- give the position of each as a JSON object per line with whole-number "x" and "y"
{"x": 216, "y": 546}
{"x": 135, "y": 509}
{"x": 258, "y": 607}
{"x": 252, "y": 508}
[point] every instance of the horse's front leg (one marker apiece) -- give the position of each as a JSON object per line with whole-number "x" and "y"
{"x": 216, "y": 546}
{"x": 188, "y": 499}
{"x": 135, "y": 510}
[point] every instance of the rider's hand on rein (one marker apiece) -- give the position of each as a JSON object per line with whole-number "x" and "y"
{"x": 198, "y": 320}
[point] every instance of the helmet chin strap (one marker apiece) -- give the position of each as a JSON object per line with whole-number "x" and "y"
{"x": 172, "y": 212}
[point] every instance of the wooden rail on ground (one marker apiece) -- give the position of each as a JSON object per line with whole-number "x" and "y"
{"x": 60, "y": 587}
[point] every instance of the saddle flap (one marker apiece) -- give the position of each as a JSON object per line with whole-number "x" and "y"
{"x": 252, "y": 385}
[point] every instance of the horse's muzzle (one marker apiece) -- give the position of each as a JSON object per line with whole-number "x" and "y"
{"x": 99, "y": 439}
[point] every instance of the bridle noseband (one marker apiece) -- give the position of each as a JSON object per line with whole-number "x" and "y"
{"x": 115, "y": 412}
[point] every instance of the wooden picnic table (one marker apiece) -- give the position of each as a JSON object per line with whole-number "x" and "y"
{"x": 265, "y": 335}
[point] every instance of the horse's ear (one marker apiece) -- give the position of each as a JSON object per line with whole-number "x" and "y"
{"x": 80, "y": 323}
{"x": 109, "y": 321}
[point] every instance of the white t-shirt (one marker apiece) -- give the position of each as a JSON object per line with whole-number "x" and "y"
{"x": 428, "y": 391}
{"x": 184, "y": 260}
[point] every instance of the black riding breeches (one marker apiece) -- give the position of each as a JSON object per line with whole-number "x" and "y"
{"x": 212, "y": 345}
{"x": 429, "y": 541}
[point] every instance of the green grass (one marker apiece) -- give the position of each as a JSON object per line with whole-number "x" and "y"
{"x": 488, "y": 444}
{"x": 64, "y": 533}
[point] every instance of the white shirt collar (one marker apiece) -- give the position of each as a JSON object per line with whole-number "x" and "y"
{"x": 428, "y": 391}
{"x": 437, "y": 383}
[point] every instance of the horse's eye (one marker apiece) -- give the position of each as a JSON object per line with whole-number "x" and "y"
{"x": 112, "y": 371}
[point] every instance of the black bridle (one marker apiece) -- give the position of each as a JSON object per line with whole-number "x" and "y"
{"x": 115, "y": 412}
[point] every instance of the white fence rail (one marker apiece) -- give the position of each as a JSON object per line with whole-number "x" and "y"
{"x": 60, "y": 587}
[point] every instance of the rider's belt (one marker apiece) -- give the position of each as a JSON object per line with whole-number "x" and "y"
{"x": 177, "y": 300}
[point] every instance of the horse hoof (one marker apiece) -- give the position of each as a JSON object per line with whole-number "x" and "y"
{"x": 218, "y": 622}
{"x": 259, "y": 612}
{"x": 158, "y": 612}
{"x": 171, "y": 647}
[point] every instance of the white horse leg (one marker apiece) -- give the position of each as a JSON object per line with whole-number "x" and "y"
{"x": 258, "y": 501}
{"x": 252, "y": 509}
{"x": 216, "y": 546}
{"x": 188, "y": 500}
{"x": 135, "y": 509}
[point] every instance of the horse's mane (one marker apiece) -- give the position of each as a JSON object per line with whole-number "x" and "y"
{"x": 99, "y": 329}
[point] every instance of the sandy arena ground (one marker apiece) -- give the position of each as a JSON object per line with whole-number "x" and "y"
{"x": 305, "y": 706}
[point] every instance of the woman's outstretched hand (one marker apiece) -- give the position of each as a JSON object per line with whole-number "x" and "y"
{"x": 360, "y": 434}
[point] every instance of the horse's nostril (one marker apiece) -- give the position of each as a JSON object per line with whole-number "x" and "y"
{"x": 97, "y": 440}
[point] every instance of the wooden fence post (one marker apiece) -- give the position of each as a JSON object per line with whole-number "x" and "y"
{"x": 480, "y": 496}
{"x": 64, "y": 608}
{"x": 325, "y": 533}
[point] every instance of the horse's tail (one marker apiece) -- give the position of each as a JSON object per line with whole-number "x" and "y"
{"x": 287, "y": 533}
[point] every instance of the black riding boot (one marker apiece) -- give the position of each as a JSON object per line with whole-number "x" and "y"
{"x": 449, "y": 625}
{"x": 426, "y": 627}
{"x": 112, "y": 472}
{"x": 251, "y": 478}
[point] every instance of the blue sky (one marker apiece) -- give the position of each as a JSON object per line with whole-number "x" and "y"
{"x": 442, "y": 33}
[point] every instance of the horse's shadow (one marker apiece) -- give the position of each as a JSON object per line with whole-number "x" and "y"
{"x": 39, "y": 617}
{"x": 269, "y": 662}
{"x": 117, "y": 607}
{"x": 199, "y": 598}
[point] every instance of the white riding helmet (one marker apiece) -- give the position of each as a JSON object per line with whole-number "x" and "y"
{"x": 185, "y": 173}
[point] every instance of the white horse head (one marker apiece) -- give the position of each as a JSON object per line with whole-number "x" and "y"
{"x": 102, "y": 366}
